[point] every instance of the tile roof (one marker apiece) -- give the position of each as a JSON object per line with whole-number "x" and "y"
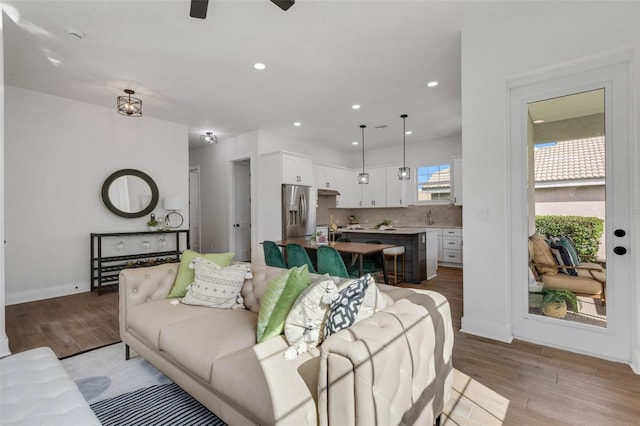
{"x": 439, "y": 179}
{"x": 571, "y": 160}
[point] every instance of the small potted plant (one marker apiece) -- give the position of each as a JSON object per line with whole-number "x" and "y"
{"x": 153, "y": 223}
{"x": 384, "y": 224}
{"x": 555, "y": 303}
{"x": 313, "y": 239}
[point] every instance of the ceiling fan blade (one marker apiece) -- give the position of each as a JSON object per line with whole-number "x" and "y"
{"x": 199, "y": 9}
{"x": 283, "y": 4}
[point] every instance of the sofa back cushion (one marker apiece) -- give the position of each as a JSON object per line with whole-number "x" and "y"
{"x": 254, "y": 288}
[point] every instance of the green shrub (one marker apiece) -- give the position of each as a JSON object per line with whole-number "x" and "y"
{"x": 584, "y": 231}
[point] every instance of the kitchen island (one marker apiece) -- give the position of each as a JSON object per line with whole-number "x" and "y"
{"x": 420, "y": 244}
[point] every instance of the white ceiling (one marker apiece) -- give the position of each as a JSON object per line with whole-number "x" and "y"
{"x": 321, "y": 57}
{"x": 567, "y": 107}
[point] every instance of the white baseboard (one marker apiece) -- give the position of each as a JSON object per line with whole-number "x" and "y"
{"x": 45, "y": 293}
{"x": 635, "y": 361}
{"x": 4, "y": 347}
{"x": 486, "y": 329}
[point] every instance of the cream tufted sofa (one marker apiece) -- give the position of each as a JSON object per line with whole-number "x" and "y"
{"x": 392, "y": 368}
{"x": 36, "y": 390}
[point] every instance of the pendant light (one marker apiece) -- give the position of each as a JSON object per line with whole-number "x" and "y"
{"x": 404, "y": 172}
{"x": 129, "y": 106}
{"x": 363, "y": 177}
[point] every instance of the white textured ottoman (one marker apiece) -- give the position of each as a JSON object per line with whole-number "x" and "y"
{"x": 35, "y": 389}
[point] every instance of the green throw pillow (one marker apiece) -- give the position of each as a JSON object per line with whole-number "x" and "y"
{"x": 299, "y": 279}
{"x": 269, "y": 300}
{"x": 186, "y": 275}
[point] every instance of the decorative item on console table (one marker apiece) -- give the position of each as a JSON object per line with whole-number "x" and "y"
{"x": 152, "y": 224}
{"x": 105, "y": 266}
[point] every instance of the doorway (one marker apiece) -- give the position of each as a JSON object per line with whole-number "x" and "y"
{"x": 567, "y": 187}
{"x": 194, "y": 208}
{"x": 608, "y": 85}
{"x": 241, "y": 214}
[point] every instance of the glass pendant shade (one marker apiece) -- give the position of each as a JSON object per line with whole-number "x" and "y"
{"x": 404, "y": 172}
{"x": 129, "y": 106}
{"x": 363, "y": 178}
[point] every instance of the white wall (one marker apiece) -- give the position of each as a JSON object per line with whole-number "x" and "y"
{"x": 58, "y": 154}
{"x": 418, "y": 153}
{"x": 533, "y": 38}
{"x": 4, "y": 341}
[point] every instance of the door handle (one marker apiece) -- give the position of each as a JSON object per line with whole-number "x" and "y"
{"x": 619, "y": 250}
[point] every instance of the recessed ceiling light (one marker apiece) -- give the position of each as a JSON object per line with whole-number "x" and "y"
{"x": 354, "y": 143}
{"x": 538, "y": 121}
{"x": 259, "y": 66}
{"x": 356, "y": 106}
{"x": 408, "y": 132}
{"x": 297, "y": 124}
{"x": 432, "y": 84}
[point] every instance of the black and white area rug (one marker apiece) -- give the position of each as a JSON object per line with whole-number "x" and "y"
{"x": 156, "y": 405}
{"x": 133, "y": 392}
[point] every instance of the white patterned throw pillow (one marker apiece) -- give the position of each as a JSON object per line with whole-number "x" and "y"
{"x": 215, "y": 286}
{"x": 304, "y": 327}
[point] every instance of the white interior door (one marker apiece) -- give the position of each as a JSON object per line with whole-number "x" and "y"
{"x": 194, "y": 209}
{"x": 242, "y": 210}
{"x": 612, "y": 341}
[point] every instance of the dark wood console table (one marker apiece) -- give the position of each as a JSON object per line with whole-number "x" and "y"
{"x": 106, "y": 264}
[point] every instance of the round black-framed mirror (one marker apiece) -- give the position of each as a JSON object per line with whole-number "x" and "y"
{"x": 130, "y": 193}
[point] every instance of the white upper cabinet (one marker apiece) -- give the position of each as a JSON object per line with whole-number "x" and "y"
{"x": 374, "y": 194}
{"x": 337, "y": 179}
{"x": 297, "y": 169}
{"x": 353, "y": 191}
{"x": 457, "y": 181}
{"x": 383, "y": 190}
{"x": 330, "y": 177}
{"x": 397, "y": 189}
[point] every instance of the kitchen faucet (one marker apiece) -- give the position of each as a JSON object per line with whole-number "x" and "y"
{"x": 429, "y": 218}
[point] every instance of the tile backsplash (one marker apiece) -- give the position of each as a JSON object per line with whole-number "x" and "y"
{"x": 410, "y": 216}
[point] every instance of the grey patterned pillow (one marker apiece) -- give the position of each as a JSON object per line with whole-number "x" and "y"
{"x": 344, "y": 309}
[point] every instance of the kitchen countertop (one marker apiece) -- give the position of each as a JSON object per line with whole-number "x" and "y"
{"x": 403, "y": 230}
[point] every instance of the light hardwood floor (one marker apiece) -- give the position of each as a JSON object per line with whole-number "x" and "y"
{"x": 494, "y": 383}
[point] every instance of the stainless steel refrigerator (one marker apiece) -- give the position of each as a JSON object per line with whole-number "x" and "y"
{"x": 298, "y": 211}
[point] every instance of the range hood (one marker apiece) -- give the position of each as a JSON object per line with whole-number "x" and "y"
{"x": 327, "y": 192}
